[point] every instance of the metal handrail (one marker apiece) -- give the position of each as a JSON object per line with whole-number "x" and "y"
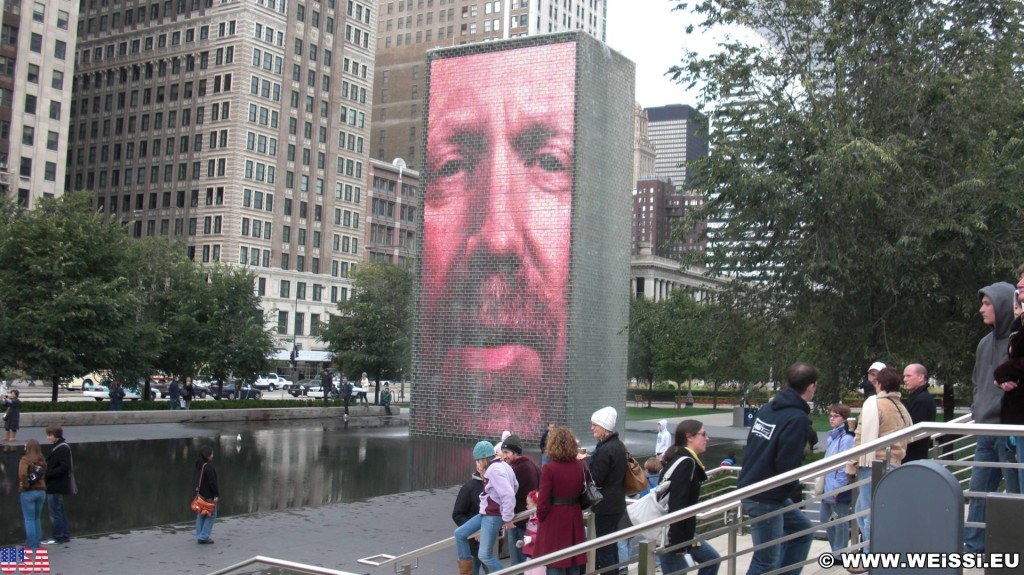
{"x": 730, "y": 501}
{"x": 300, "y": 567}
{"x": 808, "y": 471}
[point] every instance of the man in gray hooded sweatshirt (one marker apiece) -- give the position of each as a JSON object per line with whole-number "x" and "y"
{"x": 997, "y": 312}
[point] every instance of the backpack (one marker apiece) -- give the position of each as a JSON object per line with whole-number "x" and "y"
{"x": 35, "y": 473}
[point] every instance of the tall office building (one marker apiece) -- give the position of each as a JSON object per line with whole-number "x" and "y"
{"x": 680, "y": 135}
{"x": 240, "y": 127}
{"x": 408, "y": 28}
{"x": 657, "y": 211}
{"x": 36, "y": 50}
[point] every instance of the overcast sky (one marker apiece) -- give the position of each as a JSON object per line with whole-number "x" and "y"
{"x": 650, "y": 34}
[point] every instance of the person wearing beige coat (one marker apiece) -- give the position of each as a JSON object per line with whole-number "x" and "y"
{"x": 880, "y": 415}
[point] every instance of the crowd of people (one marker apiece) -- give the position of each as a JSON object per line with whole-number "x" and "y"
{"x": 778, "y": 442}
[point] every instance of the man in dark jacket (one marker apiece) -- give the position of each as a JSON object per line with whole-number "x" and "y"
{"x": 528, "y": 476}
{"x": 775, "y": 445}
{"x": 920, "y": 405}
{"x": 60, "y": 481}
{"x": 608, "y": 469}
{"x": 174, "y": 391}
{"x": 467, "y": 506}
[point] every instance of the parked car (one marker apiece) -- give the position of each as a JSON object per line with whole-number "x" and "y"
{"x": 233, "y": 391}
{"x": 94, "y": 378}
{"x": 99, "y": 392}
{"x": 270, "y": 381}
{"x": 317, "y": 391}
{"x": 301, "y": 387}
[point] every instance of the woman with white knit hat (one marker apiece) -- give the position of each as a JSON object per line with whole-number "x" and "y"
{"x": 608, "y": 468}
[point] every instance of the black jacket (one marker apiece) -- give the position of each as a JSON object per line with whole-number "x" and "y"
{"x": 683, "y": 492}
{"x": 467, "y": 503}
{"x": 775, "y": 444}
{"x": 921, "y": 406}
{"x": 209, "y": 489}
{"x": 608, "y": 468}
{"x": 59, "y": 468}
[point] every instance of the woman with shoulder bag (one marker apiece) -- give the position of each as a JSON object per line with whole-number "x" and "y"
{"x": 204, "y": 483}
{"x": 608, "y": 468}
{"x": 32, "y": 485}
{"x": 559, "y": 517}
{"x": 690, "y": 441}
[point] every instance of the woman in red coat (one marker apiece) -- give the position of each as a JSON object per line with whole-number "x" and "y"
{"x": 560, "y": 519}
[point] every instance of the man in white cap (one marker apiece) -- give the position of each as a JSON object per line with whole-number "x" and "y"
{"x": 869, "y": 387}
{"x": 664, "y": 440}
{"x": 608, "y": 469}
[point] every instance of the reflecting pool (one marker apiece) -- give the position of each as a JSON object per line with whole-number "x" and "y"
{"x": 126, "y": 485}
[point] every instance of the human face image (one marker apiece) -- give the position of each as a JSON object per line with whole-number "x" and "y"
{"x": 496, "y": 228}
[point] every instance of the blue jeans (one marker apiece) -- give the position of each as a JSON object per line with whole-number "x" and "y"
{"x": 174, "y": 403}
{"x": 488, "y": 526}
{"x": 204, "y": 525}
{"x": 990, "y": 448}
{"x": 864, "y": 502}
{"x": 58, "y": 517}
{"x": 776, "y": 556}
{"x": 32, "y": 512}
{"x": 515, "y": 554}
{"x": 574, "y": 570}
{"x": 673, "y": 561}
{"x": 838, "y": 535}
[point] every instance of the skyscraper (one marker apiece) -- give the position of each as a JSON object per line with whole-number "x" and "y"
{"x": 37, "y": 48}
{"x": 407, "y": 29}
{"x": 240, "y": 127}
{"x": 680, "y": 135}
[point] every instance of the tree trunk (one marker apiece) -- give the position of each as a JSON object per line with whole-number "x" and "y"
{"x": 54, "y": 391}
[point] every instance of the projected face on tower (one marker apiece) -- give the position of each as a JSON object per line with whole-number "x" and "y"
{"x": 496, "y": 229}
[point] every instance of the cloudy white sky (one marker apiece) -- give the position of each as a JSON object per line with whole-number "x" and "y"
{"x": 650, "y": 34}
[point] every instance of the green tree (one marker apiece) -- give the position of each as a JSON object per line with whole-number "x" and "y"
{"x": 373, "y": 330}
{"x": 867, "y": 165}
{"x": 69, "y": 305}
{"x": 227, "y": 325}
{"x": 642, "y": 331}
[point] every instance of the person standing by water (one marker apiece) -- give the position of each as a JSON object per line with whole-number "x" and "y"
{"x": 559, "y": 517}
{"x": 60, "y": 481}
{"x": 174, "y": 390}
{"x": 204, "y": 482}
{"x": 12, "y": 415}
{"x": 116, "y": 395}
{"x": 188, "y": 393}
{"x": 32, "y": 486}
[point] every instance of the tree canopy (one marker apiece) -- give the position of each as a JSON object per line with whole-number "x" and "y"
{"x": 373, "y": 330}
{"x": 77, "y": 296}
{"x": 866, "y": 166}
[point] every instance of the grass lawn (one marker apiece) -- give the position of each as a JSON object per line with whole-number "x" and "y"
{"x": 656, "y": 413}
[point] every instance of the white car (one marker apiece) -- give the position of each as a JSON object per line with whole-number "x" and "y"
{"x": 101, "y": 392}
{"x": 271, "y": 381}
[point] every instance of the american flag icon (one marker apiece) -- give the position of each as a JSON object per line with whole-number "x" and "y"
{"x": 23, "y": 560}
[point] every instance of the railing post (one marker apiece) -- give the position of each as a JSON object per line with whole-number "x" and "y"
{"x": 591, "y": 535}
{"x": 647, "y": 561}
{"x": 405, "y": 569}
{"x": 733, "y": 517}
